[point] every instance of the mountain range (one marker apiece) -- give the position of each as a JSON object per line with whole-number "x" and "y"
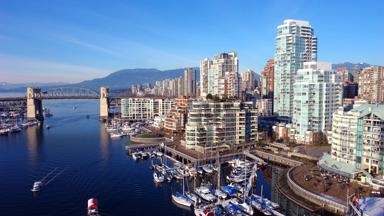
{"x": 123, "y": 79}
{"x": 351, "y": 66}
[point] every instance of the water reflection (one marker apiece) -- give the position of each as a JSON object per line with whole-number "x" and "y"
{"x": 104, "y": 142}
{"x": 35, "y": 140}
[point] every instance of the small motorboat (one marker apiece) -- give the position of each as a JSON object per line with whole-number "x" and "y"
{"x": 93, "y": 209}
{"x": 136, "y": 156}
{"x": 116, "y": 135}
{"x": 158, "y": 177}
{"x": 48, "y": 126}
{"x": 182, "y": 199}
{"x": 37, "y": 185}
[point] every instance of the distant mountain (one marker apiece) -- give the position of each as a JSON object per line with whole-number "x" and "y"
{"x": 20, "y": 87}
{"x": 351, "y": 66}
{"x": 123, "y": 79}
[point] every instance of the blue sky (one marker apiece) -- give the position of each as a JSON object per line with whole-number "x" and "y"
{"x": 70, "y": 41}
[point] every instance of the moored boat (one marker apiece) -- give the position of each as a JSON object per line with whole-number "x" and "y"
{"x": 158, "y": 177}
{"x": 207, "y": 210}
{"x": 205, "y": 194}
{"x": 116, "y": 135}
{"x": 182, "y": 199}
{"x": 136, "y": 156}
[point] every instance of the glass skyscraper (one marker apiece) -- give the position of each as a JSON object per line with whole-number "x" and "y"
{"x": 295, "y": 44}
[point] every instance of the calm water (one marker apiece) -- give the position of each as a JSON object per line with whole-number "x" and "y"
{"x": 93, "y": 164}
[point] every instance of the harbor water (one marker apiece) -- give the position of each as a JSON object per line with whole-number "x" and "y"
{"x": 92, "y": 165}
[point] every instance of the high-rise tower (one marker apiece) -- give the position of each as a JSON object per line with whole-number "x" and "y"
{"x": 295, "y": 44}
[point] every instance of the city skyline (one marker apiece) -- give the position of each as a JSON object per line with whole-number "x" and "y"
{"x": 79, "y": 41}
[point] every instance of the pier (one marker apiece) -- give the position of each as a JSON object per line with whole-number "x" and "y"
{"x": 186, "y": 157}
{"x": 277, "y": 158}
{"x": 141, "y": 147}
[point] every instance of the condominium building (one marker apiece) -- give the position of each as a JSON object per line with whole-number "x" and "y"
{"x": 204, "y": 69}
{"x": 371, "y": 84}
{"x": 213, "y": 125}
{"x": 180, "y": 86}
{"x": 266, "y": 80}
{"x": 189, "y": 82}
{"x": 248, "y": 81}
{"x": 357, "y": 137}
{"x": 144, "y": 108}
{"x": 318, "y": 93}
{"x": 344, "y": 74}
{"x": 220, "y": 76}
{"x": 295, "y": 44}
{"x": 264, "y": 107}
{"x": 177, "y": 117}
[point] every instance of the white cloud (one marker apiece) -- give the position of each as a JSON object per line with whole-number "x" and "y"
{"x": 23, "y": 69}
{"x": 135, "y": 54}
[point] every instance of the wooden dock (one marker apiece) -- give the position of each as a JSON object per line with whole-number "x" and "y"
{"x": 183, "y": 157}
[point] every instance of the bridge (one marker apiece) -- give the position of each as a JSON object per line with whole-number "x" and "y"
{"x": 34, "y": 96}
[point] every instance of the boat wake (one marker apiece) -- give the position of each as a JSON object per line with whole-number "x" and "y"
{"x": 47, "y": 179}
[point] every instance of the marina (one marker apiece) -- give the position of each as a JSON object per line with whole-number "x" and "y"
{"x": 231, "y": 194}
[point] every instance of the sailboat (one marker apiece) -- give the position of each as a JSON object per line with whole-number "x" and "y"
{"x": 217, "y": 192}
{"x": 191, "y": 195}
{"x": 182, "y": 199}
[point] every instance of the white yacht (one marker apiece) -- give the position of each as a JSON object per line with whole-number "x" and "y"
{"x": 37, "y": 185}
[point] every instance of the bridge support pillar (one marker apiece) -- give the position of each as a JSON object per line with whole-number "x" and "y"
{"x": 104, "y": 103}
{"x": 34, "y": 104}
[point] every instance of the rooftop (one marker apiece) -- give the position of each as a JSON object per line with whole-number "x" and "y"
{"x": 365, "y": 109}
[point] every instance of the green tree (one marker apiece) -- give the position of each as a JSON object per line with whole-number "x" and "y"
{"x": 216, "y": 98}
{"x": 209, "y": 96}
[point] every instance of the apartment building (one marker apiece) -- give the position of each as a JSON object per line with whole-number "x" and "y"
{"x": 220, "y": 76}
{"x": 318, "y": 93}
{"x": 266, "y": 80}
{"x": 145, "y": 108}
{"x": 213, "y": 125}
{"x": 371, "y": 84}
{"x": 358, "y": 137}
{"x": 295, "y": 44}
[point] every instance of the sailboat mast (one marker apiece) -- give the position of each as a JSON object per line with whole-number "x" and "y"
{"x": 183, "y": 182}
{"x": 245, "y": 176}
{"x": 261, "y": 193}
{"x": 218, "y": 175}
